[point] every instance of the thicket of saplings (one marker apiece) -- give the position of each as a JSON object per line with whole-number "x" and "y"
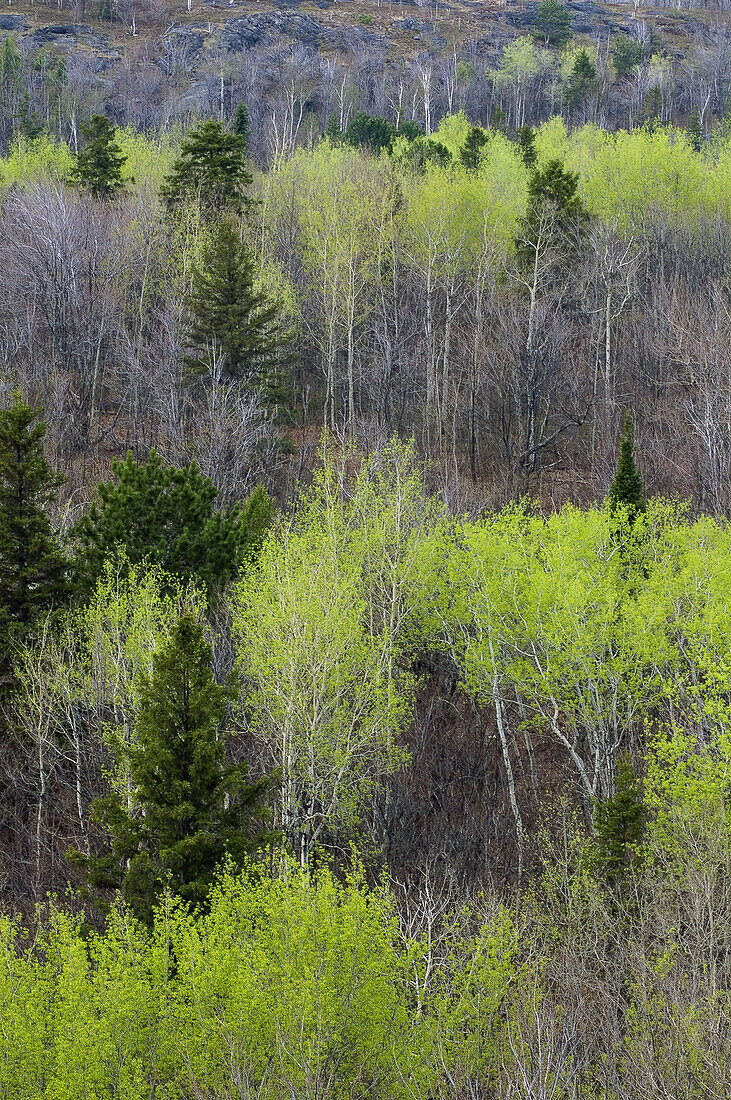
{"x": 500, "y": 299}
{"x": 254, "y": 943}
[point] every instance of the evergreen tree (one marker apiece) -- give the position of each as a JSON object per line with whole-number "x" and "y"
{"x": 552, "y": 23}
{"x": 626, "y": 54}
{"x": 471, "y": 152}
{"x": 627, "y": 490}
{"x": 211, "y": 170}
{"x": 164, "y": 515}
{"x": 33, "y": 568}
{"x": 30, "y": 125}
{"x": 498, "y": 119}
{"x": 619, "y": 825}
{"x": 240, "y": 124}
{"x": 99, "y": 163}
{"x": 229, "y": 317}
{"x": 694, "y": 130}
{"x": 552, "y": 194}
{"x": 366, "y": 132}
{"x": 652, "y": 106}
{"x": 191, "y": 810}
{"x": 332, "y": 131}
{"x": 526, "y": 138}
{"x": 582, "y": 83}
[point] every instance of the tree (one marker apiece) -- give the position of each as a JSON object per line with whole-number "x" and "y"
{"x": 552, "y": 23}
{"x": 190, "y": 811}
{"x": 365, "y": 132}
{"x": 694, "y": 130}
{"x": 653, "y": 105}
{"x": 33, "y": 567}
{"x": 619, "y": 824}
{"x": 626, "y": 54}
{"x": 231, "y": 319}
{"x": 498, "y": 119}
{"x": 627, "y": 490}
{"x": 164, "y": 516}
{"x": 240, "y": 124}
{"x": 526, "y": 139}
{"x": 471, "y": 151}
{"x": 555, "y": 209}
{"x": 582, "y": 83}
{"x": 211, "y": 170}
{"x": 99, "y": 163}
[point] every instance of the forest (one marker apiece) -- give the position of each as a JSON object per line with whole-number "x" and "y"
{"x": 365, "y": 697}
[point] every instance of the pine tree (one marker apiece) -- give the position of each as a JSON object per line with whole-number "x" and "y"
{"x": 498, "y": 119}
{"x": 526, "y": 138}
{"x": 652, "y": 106}
{"x": 229, "y": 317}
{"x": 211, "y": 170}
{"x": 582, "y": 83}
{"x": 99, "y": 163}
{"x": 552, "y": 23}
{"x": 553, "y": 194}
{"x": 627, "y": 490}
{"x": 471, "y": 152}
{"x": 33, "y": 567}
{"x": 626, "y": 54}
{"x": 619, "y": 825}
{"x": 164, "y": 515}
{"x": 332, "y": 131}
{"x": 694, "y": 130}
{"x": 240, "y": 124}
{"x": 191, "y": 810}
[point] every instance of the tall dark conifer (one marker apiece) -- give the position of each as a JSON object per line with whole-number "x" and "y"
{"x": 235, "y": 330}
{"x": 33, "y": 567}
{"x": 210, "y": 170}
{"x": 99, "y": 163}
{"x": 627, "y": 489}
{"x": 190, "y": 810}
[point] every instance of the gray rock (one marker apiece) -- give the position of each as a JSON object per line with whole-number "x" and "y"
{"x": 13, "y": 22}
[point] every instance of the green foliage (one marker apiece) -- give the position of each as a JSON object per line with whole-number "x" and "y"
{"x": 694, "y": 130}
{"x": 627, "y": 491}
{"x": 367, "y": 132}
{"x": 164, "y": 515}
{"x": 33, "y": 567}
{"x": 471, "y": 152}
{"x": 235, "y": 330}
{"x": 321, "y": 624}
{"x": 552, "y": 23}
{"x": 526, "y": 139}
{"x": 498, "y": 119}
{"x": 99, "y": 163}
{"x": 626, "y": 54}
{"x": 240, "y": 124}
{"x": 556, "y": 212}
{"x": 11, "y": 64}
{"x": 619, "y": 826}
{"x": 211, "y": 171}
{"x": 582, "y": 83}
{"x": 653, "y": 105}
{"x": 189, "y": 810}
{"x": 29, "y": 124}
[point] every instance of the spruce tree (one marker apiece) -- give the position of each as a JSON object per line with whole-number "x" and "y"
{"x": 190, "y": 810}
{"x": 230, "y": 318}
{"x": 619, "y": 825}
{"x": 526, "y": 139}
{"x": 694, "y": 130}
{"x": 582, "y": 83}
{"x": 210, "y": 170}
{"x": 98, "y": 167}
{"x": 164, "y": 515}
{"x": 553, "y": 193}
{"x": 552, "y": 23}
{"x": 626, "y": 54}
{"x": 626, "y": 490}
{"x": 33, "y": 567}
{"x": 471, "y": 152}
{"x": 240, "y": 124}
